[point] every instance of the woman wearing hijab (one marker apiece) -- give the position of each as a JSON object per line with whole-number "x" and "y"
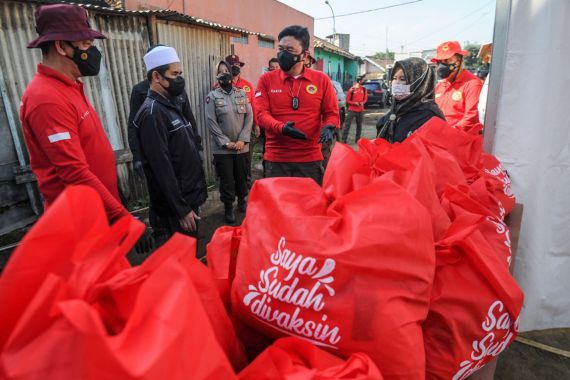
{"x": 413, "y": 85}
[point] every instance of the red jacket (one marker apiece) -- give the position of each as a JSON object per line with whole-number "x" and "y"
{"x": 318, "y": 106}
{"x": 459, "y": 100}
{"x": 356, "y": 94}
{"x": 66, "y": 140}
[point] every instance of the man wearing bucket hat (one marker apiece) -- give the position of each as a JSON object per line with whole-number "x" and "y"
{"x": 457, "y": 95}
{"x": 65, "y": 138}
{"x": 171, "y": 161}
{"x": 64, "y": 135}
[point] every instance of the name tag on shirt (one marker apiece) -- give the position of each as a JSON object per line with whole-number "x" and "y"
{"x": 59, "y": 137}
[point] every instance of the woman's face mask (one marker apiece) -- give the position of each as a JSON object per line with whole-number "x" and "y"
{"x": 401, "y": 90}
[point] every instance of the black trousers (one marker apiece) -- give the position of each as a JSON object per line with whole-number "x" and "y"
{"x": 232, "y": 170}
{"x": 312, "y": 170}
{"x": 351, "y": 115}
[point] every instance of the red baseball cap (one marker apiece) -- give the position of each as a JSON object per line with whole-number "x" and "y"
{"x": 233, "y": 60}
{"x": 449, "y": 49}
{"x": 65, "y": 22}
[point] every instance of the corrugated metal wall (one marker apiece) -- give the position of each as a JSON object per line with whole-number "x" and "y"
{"x": 128, "y": 38}
{"x": 200, "y": 50}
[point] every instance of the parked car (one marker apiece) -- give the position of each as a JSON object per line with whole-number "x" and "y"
{"x": 341, "y": 97}
{"x": 377, "y": 89}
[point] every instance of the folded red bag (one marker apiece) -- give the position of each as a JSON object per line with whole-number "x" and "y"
{"x": 295, "y": 359}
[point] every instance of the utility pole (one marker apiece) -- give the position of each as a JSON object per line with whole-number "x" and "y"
{"x": 334, "y": 20}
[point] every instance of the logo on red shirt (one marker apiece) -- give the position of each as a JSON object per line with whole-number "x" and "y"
{"x": 312, "y": 89}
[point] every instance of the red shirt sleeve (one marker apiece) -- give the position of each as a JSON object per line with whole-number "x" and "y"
{"x": 262, "y": 108}
{"x": 470, "y": 119}
{"x": 365, "y": 91}
{"x": 329, "y": 107}
{"x": 66, "y": 155}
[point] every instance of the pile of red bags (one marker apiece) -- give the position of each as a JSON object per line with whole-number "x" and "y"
{"x": 403, "y": 254}
{"x": 396, "y": 268}
{"x": 74, "y": 308}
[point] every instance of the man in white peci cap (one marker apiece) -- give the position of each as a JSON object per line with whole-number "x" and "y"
{"x": 171, "y": 162}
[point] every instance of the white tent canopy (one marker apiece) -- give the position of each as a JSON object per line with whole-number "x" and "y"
{"x": 528, "y": 117}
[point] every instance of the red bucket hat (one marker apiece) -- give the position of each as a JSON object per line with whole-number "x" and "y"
{"x": 64, "y": 22}
{"x": 449, "y": 49}
{"x": 233, "y": 60}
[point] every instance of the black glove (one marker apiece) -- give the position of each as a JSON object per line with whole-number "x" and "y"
{"x": 146, "y": 242}
{"x": 138, "y": 166}
{"x": 327, "y": 133}
{"x": 291, "y": 131}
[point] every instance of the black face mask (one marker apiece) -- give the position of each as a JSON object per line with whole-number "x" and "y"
{"x": 175, "y": 86}
{"x": 444, "y": 70}
{"x": 225, "y": 82}
{"x": 288, "y": 60}
{"x": 236, "y": 70}
{"x": 88, "y": 61}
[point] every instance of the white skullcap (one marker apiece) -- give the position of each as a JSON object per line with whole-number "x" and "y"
{"x": 159, "y": 56}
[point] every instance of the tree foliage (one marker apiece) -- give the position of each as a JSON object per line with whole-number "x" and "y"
{"x": 384, "y": 56}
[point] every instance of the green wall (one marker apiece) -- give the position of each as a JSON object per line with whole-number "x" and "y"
{"x": 337, "y": 67}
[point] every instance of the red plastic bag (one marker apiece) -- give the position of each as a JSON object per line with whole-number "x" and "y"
{"x": 459, "y": 201}
{"x": 475, "y": 304}
{"x": 332, "y": 273}
{"x": 91, "y": 316}
{"x": 498, "y": 185}
{"x": 295, "y": 359}
{"x": 221, "y": 254}
{"x": 69, "y": 234}
{"x": 464, "y": 147}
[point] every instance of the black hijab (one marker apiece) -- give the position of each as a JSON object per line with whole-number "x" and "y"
{"x": 422, "y": 78}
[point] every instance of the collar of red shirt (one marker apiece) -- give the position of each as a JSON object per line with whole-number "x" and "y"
{"x": 307, "y": 74}
{"x": 462, "y": 77}
{"x": 49, "y": 72}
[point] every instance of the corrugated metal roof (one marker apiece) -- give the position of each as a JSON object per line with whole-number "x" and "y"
{"x": 164, "y": 14}
{"x": 327, "y": 46}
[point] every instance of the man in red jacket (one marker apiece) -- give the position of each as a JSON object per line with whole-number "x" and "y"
{"x": 356, "y": 97}
{"x": 458, "y": 94}
{"x": 291, "y": 105}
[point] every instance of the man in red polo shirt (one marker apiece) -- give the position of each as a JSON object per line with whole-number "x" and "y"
{"x": 356, "y": 98}
{"x": 292, "y": 104}
{"x": 458, "y": 94}
{"x": 64, "y": 135}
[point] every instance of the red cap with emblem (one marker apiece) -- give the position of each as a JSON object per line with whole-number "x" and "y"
{"x": 449, "y": 49}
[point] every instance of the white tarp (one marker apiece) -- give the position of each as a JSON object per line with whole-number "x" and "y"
{"x": 533, "y": 142}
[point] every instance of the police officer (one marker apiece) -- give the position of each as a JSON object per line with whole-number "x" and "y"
{"x": 235, "y": 64}
{"x": 230, "y": 120}
{"x": 171, "y": 162}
